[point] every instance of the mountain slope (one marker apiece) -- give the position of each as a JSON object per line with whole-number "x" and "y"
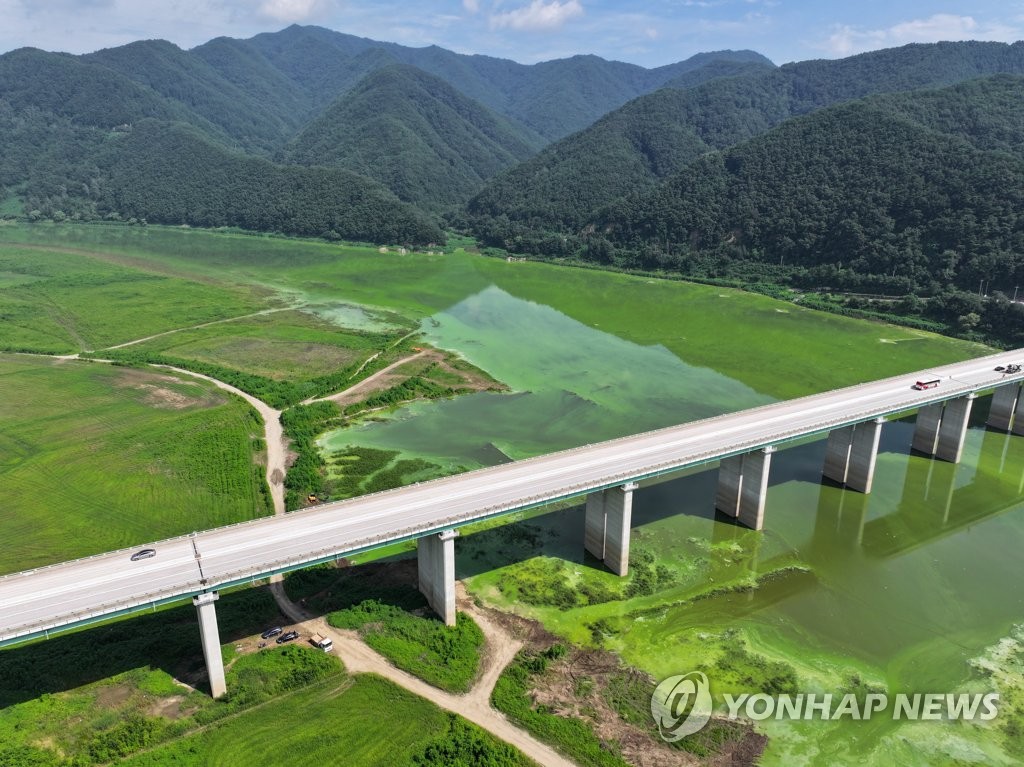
{"x": 172, "y": 174}
{"x": 255, "y": 122}
{"x": 907, "y": 189}
{"x": 651, "y": 137}
{"x": 89, "y": 93}
{"x": 553, "y": 98}
{"x": 415, "y": 134}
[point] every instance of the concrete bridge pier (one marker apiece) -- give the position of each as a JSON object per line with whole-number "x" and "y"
{"x": 436, "y": 559}
{"x": 1018, "y": 416}
{"x": 1004, "y": 403}
{"x": 926, "y": 428}
{"x": 211, "y": 641}
{"x": 852, "y": 453}
{"x": 953, "y": 429}
{"x": 607, "y": 527}
{"x": 743, "y": 486}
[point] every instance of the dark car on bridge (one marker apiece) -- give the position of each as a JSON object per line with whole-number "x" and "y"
{"x": 271, "y": 632}
{"x": 288, "y": 637}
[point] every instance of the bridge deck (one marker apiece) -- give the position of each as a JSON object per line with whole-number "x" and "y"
{"x": 86, "y": 590}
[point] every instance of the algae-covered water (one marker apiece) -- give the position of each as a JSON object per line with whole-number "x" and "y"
{"x": 572, "y": 384}
{"x": 898, "y": 590}
{"x": 915, "y": 588}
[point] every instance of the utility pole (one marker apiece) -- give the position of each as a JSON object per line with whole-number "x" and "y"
{"x": 1015, "y": 288}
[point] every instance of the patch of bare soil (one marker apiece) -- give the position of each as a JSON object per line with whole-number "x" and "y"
{"x": 584, "y": 684}
{"x": 163, "y": 397}
{"x": 168, "y": 708}
{"x": 113, "y": 695}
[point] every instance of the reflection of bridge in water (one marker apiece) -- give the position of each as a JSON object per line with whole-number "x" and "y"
{"x": 938, "y": 500}
{"x": 38, "y": 602}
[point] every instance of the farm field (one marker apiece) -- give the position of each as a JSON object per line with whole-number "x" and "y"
{"x": 63, "y": 302}
{"x": 95, "y": 457}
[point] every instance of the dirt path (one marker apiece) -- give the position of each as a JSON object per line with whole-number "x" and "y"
{"x": 474, "y": 705}
{"x": 273, "y": 435}
{"x": 367, "y": 384}
{"x": 196, "y": 327}
{"x": 499, "y": 649}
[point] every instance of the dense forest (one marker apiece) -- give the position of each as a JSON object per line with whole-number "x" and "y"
{"x": 417, "y": 135}
{"x": 652, "y": 137}
{"x": 303, "y": 131}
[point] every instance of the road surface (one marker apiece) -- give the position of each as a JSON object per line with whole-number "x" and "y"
{"x": 84, "y": 590}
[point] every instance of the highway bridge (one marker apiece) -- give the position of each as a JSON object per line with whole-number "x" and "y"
{"x": 38, "y": 602}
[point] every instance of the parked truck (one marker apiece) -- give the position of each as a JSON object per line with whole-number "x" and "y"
{"x": 323, "y": 643}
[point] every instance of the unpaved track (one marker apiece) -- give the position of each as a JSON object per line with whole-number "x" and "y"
{"x": 499, "y": 650}
{"x": 474, "y": 705}
{"x": 273, "y": 434}
{"x": 196, "y": 327}
{"x": 368, "y": 382}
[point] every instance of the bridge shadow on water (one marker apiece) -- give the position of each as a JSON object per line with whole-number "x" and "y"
{"x": 167, "y": 639}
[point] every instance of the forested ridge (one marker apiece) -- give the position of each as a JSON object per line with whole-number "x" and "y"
{"x": 426, "y": 124}
{"x": 417, "y": 135}
{"x": 633, "y": 148}
{"x": 896, "y": 174}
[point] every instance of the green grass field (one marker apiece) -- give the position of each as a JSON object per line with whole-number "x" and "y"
{"x": 91, "y": 697}
{"x": 282, "y": 346}
{"x": 95, "y": 457}
{"x": 61, "y": 302}
{"x": 361, "y": 721}
{"x": 773, "y": 346}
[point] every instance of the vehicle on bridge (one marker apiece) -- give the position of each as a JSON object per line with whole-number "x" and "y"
{"x": 928, "y": 383}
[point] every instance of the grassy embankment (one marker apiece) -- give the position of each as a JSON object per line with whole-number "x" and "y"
{"x": 383, "y": 605}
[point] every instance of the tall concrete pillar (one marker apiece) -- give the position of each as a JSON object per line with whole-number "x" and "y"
{"x": 863, "y": 455}
{"x": 730, "y": 482}
{"x": 607, "y": 526}
{"x": 953, "y": 428}
{"x": 1004, "y": 403}
{"x": 211, "y": 641}
{"x": 594, "y": 526}
{"x": 754, "y": 487}
{"x": 618, "y": 514}
{"x": 837, "y": 454}
{"x": 926, "y": 428}
{"x": 436, "y": 560}
{"x": 1018, "y": 417}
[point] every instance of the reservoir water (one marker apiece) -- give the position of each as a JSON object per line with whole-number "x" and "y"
{"x": 908, "y": 589}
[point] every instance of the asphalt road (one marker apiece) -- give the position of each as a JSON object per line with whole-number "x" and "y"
{"x": 83, "y": 590}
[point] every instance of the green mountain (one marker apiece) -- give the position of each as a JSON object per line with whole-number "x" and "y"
{"x": 553, "y": 98}
{"x": 173, "y": 174}
{"x": 650, "y": 138}
{"x": 415, "y": 134}
{"x": 904, "y": 192}
{"x": 89, "y": 93}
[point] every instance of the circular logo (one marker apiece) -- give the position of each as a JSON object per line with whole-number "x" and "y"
{"x": 681, "y": 705}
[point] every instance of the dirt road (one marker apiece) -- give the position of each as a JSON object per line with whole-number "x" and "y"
{"x": 367, "y": 385}
{"x": 474, "y": 705}
{"x": 273, "y": 435}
